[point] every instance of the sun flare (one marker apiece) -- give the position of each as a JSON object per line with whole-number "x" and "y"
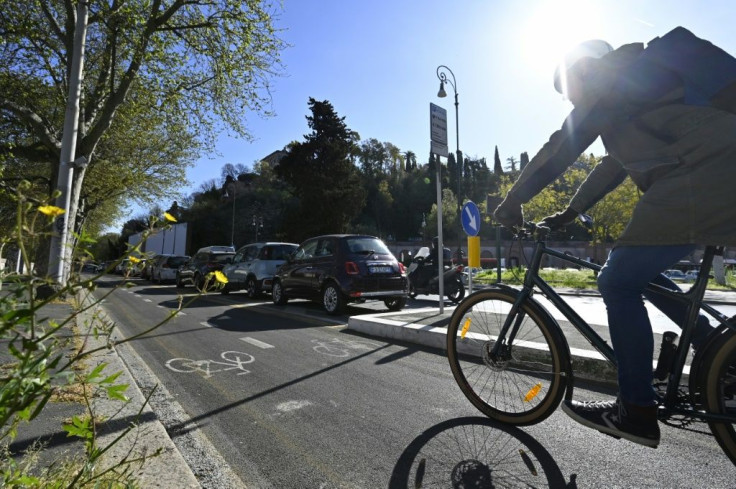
{"x": 553, "y": 28}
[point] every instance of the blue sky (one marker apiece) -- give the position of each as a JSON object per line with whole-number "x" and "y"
{"x": 376, "y": 62}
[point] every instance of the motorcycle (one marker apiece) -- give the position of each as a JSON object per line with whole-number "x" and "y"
{"x": 423, "y": 279}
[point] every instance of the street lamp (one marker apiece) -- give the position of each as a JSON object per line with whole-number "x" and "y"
{"x": 441, "y": 69}
{"x": 257, "y": 223}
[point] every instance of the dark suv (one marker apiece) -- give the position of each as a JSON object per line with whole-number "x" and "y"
{"x": 342, "y": 268}
{"x": 206, "y": 260}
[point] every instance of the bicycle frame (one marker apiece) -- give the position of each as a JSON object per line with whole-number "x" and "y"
{"x": 693, "y": 298}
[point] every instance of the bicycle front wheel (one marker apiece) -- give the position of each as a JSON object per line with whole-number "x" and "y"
{"x": 521, "y": 382}
{"x": 720, "y": 392}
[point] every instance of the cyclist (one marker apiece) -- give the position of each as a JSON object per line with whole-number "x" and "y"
{"x": 682, "y": 159}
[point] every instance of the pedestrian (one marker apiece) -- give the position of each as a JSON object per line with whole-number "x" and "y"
{"x": 682, "y": 157}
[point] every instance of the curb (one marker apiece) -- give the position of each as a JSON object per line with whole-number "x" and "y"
{"x": 587, "y": 364}
{"x": 147, "y": 434}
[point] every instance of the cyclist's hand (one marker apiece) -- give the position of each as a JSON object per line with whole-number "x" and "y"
{"x": 560, "y": 219}
{"x": 509, "y": 213}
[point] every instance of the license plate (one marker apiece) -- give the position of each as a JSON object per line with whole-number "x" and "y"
{"x": 385, "y": 269}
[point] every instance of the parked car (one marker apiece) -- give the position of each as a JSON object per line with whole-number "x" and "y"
{"x": 206, "y": 260}
{"x": 164, "y": 267}
{"x": 675, "y": 274}
{"x": 470, "y": 270}
{"x": 691, "y": 275}
{"x": 342, "y": 268}
{"x": 147, "y": 267}
{"x": 254, "y": 266}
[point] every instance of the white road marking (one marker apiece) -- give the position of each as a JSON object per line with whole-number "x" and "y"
{"x": 147, "y": 300}
{"x": 287, "y": 406}
{"x": 255, "y": 342}
{"x": 249, "y": 304}
{"x": 205, "y": 323}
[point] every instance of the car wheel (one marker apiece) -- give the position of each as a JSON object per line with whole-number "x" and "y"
{"x": 225, "y": 290}
{"x": 277, "y": 294}
{"x": 332, "y": 299}
{"x": 395, "y": 303}
{"x": 251, "y": 288}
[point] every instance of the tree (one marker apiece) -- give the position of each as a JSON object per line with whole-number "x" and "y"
{"x": 512, "y": 163}
{"x": 497, "y": 168}
{"x": 322, "y": 176}
{"x": 411, "y": 161}
{"x": 204, "y": 62}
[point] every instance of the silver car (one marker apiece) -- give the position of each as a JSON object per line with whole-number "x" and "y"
{"x": 165, "y": 266}
{"x": 254, "y": 266}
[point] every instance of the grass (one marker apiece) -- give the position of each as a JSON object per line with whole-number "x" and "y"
{"x": 577, "y": 279}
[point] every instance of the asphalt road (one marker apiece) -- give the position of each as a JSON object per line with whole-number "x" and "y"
{"x": 289, "y": 398}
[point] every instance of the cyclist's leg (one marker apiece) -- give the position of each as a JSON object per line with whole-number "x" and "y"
{"x": 621, "y": 283}
{"x": 676, "y": 310}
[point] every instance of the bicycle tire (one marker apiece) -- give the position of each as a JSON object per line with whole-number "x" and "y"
{"x": 526, "y": 386}
{"x": 720, "y": 392}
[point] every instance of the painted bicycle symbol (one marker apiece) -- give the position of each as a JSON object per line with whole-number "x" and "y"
{"x": 340, "y": 348}
{"x": 234, "y": 360}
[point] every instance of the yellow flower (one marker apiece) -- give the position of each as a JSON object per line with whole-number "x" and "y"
{"x": 134, "y": 260}
{"x": 169, "y": 217}
{"x": 220, "y": 277}
{"x": 50, "y": 210}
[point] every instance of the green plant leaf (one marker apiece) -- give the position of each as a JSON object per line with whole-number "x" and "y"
{"x": 79, "y": 427}
{"x": 116, "y": 392}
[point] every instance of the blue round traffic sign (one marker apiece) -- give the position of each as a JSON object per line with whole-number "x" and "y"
{"x": 470, "y": 218}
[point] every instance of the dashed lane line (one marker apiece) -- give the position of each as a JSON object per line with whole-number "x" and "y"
{"x": 255, "y": 342}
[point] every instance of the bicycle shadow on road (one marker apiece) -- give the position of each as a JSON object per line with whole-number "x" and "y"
{"x": 476, "y": 452}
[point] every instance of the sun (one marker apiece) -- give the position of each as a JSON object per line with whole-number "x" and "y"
{"x": 554, "y": 27}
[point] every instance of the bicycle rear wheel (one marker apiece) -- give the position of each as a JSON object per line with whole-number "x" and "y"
{"x": 523, "y": 383}
{"x": 720, "y": 392}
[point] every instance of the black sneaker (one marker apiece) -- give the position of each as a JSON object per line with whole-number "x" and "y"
{"x": 618, "y": 419}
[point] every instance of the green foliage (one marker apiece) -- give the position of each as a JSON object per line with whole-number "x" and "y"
{"x": 610, "y": 215}
{"x": 48, "y": 357}
{"x": 161, "y": 81}
{"x": 322, "y": 176}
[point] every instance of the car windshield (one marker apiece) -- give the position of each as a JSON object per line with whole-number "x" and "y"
{"x": 177, "y": 261}
{"x": 222, "y": 258}
{"x": 367, "y": 245}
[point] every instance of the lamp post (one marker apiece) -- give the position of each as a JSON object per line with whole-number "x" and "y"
{"x": 441, "y": 69}
{"x": 232, "y": 229}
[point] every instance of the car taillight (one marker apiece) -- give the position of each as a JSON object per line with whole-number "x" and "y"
{"x": 402, "y": 268}
{"x": 351, "y": 268}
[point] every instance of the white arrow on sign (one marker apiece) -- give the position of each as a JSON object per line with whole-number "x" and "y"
{"x": 471, "y": 217}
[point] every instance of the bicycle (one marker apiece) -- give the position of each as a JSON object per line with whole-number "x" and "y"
{"x": 512, "y": 360}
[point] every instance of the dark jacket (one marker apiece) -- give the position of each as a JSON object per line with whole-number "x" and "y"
{"x": 681, "y": 157}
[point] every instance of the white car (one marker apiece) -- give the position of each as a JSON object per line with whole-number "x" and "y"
{"x": 675, "y": 274}
{"x": 165, "y": 266}
{"x": 254, "y": 266}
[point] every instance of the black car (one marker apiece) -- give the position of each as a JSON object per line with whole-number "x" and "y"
{"x": 206, "y": 260}
{"x": 342, "y": 268}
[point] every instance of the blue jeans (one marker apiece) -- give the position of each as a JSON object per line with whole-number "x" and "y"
{"x": 621, "y": 283}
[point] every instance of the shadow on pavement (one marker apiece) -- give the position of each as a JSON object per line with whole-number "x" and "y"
{"x": 476, "y": 452}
